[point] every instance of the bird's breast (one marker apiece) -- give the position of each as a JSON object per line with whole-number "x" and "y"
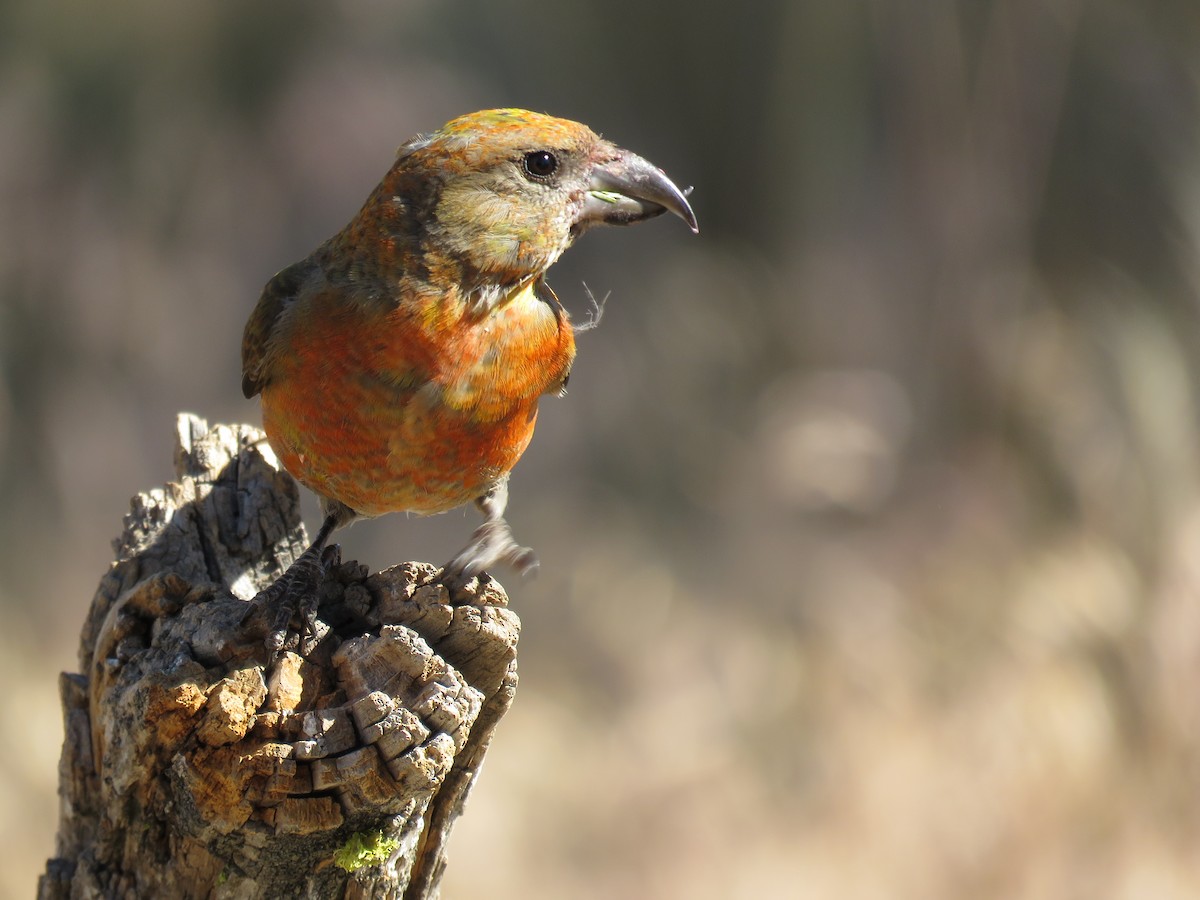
{"x": 419, "y": 409}
{"x": 505, "y": 357}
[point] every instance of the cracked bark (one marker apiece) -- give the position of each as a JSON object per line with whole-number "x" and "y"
{"x": 190, "y": 768}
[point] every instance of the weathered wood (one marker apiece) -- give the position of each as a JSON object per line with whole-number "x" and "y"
{"x": 191, "y": 768}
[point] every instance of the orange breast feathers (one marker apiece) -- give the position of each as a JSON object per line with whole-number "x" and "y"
{"x": 419, "y": 408}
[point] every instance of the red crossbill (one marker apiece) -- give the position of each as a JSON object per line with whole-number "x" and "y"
{"x": 401, "y": 363}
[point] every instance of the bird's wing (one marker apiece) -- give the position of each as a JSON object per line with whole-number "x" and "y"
{"x": 278, "y": 293}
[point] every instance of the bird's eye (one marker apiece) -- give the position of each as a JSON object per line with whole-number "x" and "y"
{"x": 540, "y": 164}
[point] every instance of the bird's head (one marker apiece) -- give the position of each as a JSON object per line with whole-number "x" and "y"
{"x": 506, "y": 191}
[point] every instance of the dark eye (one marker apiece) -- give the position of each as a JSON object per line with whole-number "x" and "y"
{"x": 540, "y": 164}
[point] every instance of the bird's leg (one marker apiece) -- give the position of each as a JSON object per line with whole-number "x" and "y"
{"x": 492, "y": 542}
{"x": 295, "y": 592}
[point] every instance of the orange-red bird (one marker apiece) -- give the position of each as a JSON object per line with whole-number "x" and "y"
{"x": 401, "y": 363}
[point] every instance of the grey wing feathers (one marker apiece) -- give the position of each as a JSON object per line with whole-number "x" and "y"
{"x": 279, "y": 291}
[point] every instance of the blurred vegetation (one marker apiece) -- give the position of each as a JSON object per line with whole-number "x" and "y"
{"x": 870, "y": 533}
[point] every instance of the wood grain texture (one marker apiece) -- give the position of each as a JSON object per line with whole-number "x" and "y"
{"x": 191, "y": 768}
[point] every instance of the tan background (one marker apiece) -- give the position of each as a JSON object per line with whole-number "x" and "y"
{"x": 869, "y": 529}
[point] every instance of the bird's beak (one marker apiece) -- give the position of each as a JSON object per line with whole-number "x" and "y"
{"x": 629, "y": 189}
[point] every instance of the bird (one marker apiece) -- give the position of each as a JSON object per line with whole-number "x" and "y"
{"x": 400, "y": 364}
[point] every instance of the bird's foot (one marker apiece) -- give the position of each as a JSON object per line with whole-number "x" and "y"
{"x": 492, "y": 544}
{"x": 294, "y": 597}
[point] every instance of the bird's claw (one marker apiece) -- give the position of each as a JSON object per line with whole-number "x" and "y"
{"x": 295, "y": 595}
{"x": 492, "y": 544}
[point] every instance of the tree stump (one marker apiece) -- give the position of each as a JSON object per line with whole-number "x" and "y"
{"x": 193, "y": 767}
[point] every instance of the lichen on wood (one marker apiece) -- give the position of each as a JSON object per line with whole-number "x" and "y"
{"x": 193, "y": 766}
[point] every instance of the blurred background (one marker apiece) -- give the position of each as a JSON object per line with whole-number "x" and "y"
{"x": 870, "y": 529}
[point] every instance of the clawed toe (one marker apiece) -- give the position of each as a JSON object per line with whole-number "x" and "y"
{"x": 291, "y": 603}
{"x": 524, "y": 560}
{"x": 491, "y": 545}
